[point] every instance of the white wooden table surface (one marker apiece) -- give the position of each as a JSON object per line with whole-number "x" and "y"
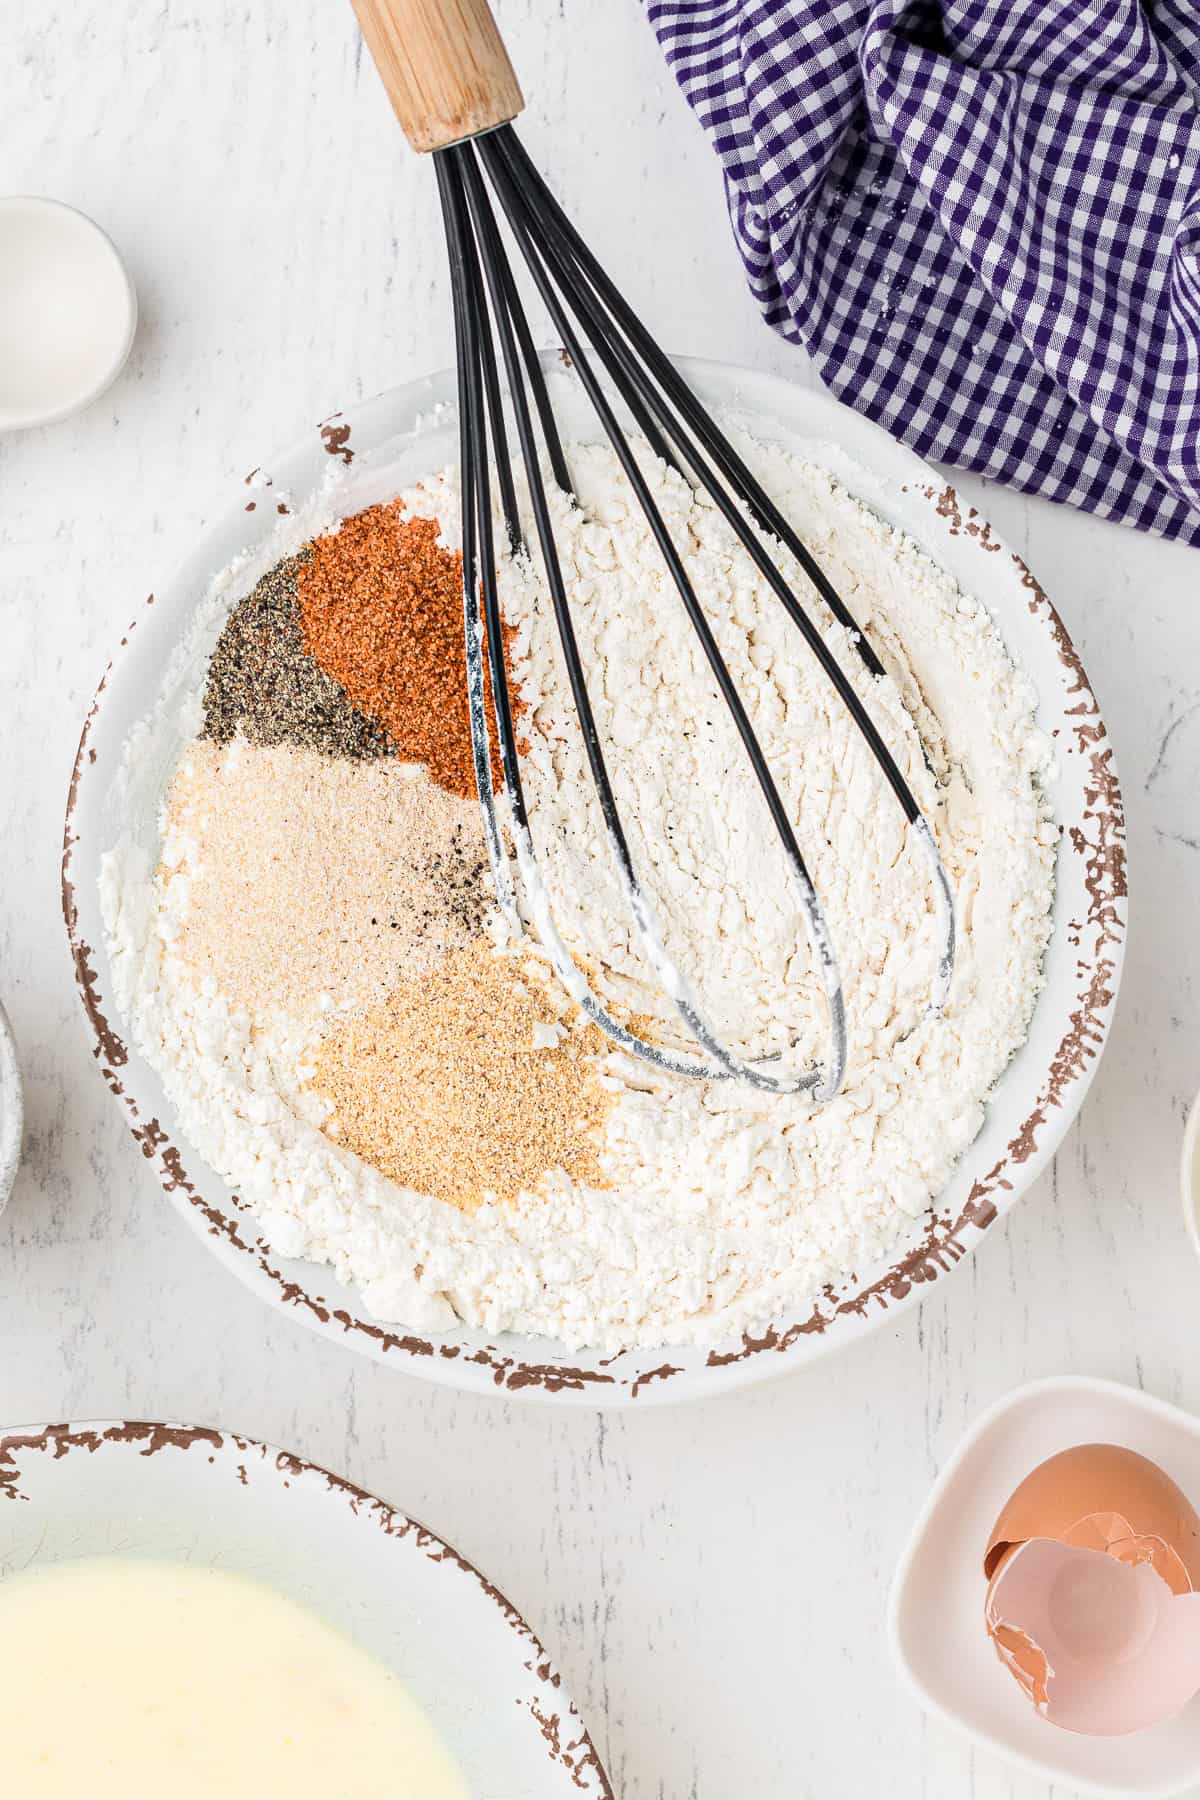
{"x": 712, "y": 1580}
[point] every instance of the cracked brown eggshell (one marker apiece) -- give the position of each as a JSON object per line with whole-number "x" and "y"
{"x": 1092, "y": 1570}
{"x": 1103, "y": 1497}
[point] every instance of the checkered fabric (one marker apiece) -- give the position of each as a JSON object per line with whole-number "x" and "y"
{"x": 982, "y": 220}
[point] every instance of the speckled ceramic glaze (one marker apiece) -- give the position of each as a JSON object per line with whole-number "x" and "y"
{"x": 178, "y": 1491}
{"x": 372, "y": 451}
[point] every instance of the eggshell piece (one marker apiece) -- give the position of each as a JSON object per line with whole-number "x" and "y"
{"x": 1112, "y": 1533}
{"x": 1098, "y": 1644}
{"x": 1025, "y": 1661}
{"x": 1104, "y": 1497}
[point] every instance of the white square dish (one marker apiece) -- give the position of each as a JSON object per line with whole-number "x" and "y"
{"x": 935, "y": 1613}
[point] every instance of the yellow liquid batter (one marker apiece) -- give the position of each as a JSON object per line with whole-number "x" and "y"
{"x": 121, "y": 1680}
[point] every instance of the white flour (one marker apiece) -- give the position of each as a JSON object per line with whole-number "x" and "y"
{"x": 727, "y": 1208}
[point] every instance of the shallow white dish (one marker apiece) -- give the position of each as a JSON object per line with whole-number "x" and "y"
{"x": 182, "y": 1492}
{"x": 1189, "y": 1175}
{"x": 935, "y": 1615}
{"x": 68, "y": 311}
{"x": 12, "y": 1110}
{"x": 371, "y": 452}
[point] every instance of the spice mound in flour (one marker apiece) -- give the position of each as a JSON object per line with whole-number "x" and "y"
{"x": 311, "y": 882}
{"x": 381, "y": 611}
{"x": 346, "y": 898}
{"x": 466, "y": 1083}
{"x": 263, "y": 683}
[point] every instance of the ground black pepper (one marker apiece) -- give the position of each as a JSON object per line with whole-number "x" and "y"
{"x": 461, "y": 875}
{"x": 263, "y": 681}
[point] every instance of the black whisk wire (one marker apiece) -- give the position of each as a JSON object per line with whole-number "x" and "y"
{"x": 471, "y": 327}
{"x": 766, "y": 514}
{"x": 583, "y": 305}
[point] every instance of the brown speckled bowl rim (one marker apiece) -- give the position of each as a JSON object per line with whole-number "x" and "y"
{"x": 949, "y": 1236}
{"x": 565, "y": 1736}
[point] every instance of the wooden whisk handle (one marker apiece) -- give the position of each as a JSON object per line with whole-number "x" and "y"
{"x": 444, "y": 66}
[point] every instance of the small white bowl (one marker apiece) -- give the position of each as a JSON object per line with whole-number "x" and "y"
{"x": 12, "y": 1110}
{"x": 1189, "y": 1174}
{"x": 935, "y": 1614}
{"x": 68, "y": 312}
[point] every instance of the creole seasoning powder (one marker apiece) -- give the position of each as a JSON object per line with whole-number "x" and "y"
{"x": 381, "y": 612}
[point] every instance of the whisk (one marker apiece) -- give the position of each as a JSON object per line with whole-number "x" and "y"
{"x": 454, "y": 91}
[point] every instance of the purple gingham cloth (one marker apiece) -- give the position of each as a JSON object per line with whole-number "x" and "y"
{"x": 981, "y": 218}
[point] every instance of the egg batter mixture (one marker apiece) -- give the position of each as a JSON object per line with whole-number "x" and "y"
{"x": 693, "y": 1210}
{"x": 128, "y": 1680}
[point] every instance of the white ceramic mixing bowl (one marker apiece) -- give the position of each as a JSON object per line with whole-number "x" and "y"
{"x": 371, "y": 452}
